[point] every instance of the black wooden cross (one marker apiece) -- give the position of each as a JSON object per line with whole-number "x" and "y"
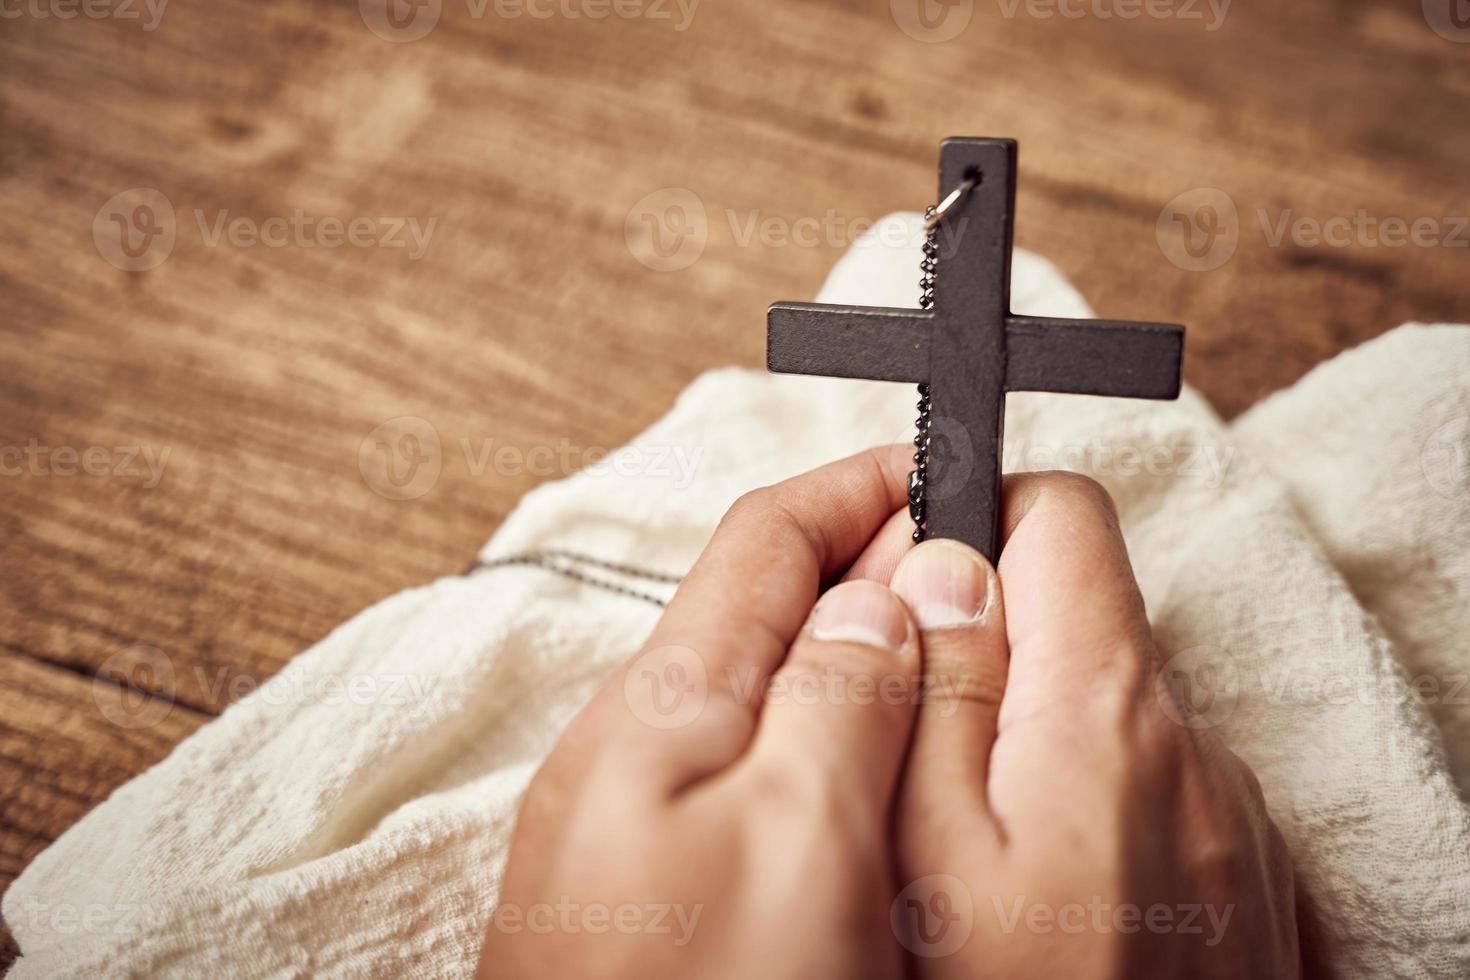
{"x": 969, "y": 348}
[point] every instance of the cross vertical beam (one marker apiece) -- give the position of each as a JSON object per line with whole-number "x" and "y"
{"x": 967, "y": 352}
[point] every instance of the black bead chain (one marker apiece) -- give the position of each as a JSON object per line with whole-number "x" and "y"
{"x": 565, "y": 563}
{"x": 919, "y": 478}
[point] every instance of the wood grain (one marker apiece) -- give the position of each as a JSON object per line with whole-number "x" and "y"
{"x": 529, "y": 322}
{"x": 66, "y": 742}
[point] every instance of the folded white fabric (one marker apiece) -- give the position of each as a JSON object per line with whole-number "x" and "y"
{"x": 1306, "y": 568}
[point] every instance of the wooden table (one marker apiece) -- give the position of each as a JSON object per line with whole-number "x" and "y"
{"x": 262, "y": 368}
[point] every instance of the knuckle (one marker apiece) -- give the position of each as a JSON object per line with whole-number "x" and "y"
{"x": 842, "y": 659}
{"x": 846, "y": 678}
{"x": 1251, "y": 783}
{"x": 596, "y": 725}
{"x": 1235, "y": 776}
{"x": 1156, "y": 752}
{"x": 1153, "y": 737}
{"x": 757, "y": 503}
{"x": 951, "y": 667}
{"x": 1222, "y": 855}
{"x": 596, "y": 715}
{"x": 825, "y": 808}
{"x": 547, "y": 793}
{"x": 1077, "y": 493}
{"x": 773, "y": 514}
{"x": 984, "y": 689}
{"x": 1222, "y": 848}
{"x": 788, "y": 797}
{"x": 1149, "y": 735}
{"x": 1123, "y": 680}
{"x": 1121, "y": 713}
{"x": 781, "y": 788}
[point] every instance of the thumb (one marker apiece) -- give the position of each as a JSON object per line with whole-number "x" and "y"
{"x": 839, "y": 710}
{"x": 954, "y": 596}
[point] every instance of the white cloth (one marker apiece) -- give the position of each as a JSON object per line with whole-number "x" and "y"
{"x": 1312, "y": 554}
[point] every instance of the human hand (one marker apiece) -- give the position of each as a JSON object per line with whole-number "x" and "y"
{"x": 702, "y": 816}
{"x": 1066, "y": 820}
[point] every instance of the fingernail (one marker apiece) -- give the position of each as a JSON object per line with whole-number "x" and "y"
{"x": 945, "y": 583}
{"x": 861, "y": 612}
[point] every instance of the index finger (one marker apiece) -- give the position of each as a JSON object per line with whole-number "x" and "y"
{"x": 746, "y": 598}
{"x": 1081, "y": 653}
{"x": 1075, "y": 617}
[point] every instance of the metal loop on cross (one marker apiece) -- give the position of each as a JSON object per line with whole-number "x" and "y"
{"x": 947, "y": 205}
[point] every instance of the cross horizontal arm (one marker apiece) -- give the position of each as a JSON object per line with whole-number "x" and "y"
{"x": 1093, "y": 357}
{"x": 872, "y": 342}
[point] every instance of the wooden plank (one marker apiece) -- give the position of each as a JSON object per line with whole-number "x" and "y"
{"x": 66, "y": 742}
{"x": 541, "y": 150}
